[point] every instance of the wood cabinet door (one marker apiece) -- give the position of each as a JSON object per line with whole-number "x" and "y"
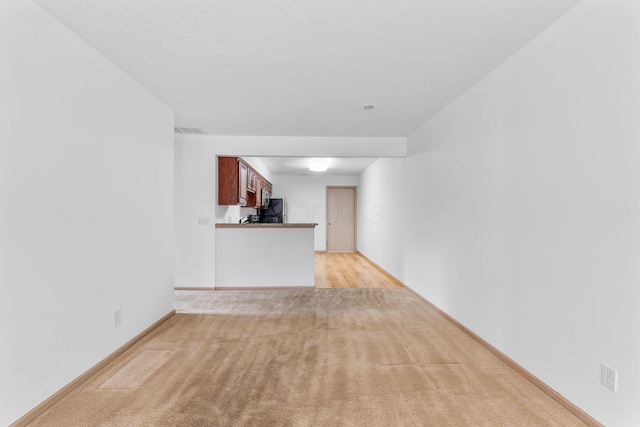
{"x": 251, "y": 181}
{"x": 242, "y": 183}
{"x": 228, "y": 181}
{"x": 258, "y": 192}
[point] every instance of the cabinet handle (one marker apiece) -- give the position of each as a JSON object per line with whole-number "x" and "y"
{"x": 329, "y": 223}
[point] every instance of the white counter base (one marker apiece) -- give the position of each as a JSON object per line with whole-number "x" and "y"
{"x": 264, "y": 257}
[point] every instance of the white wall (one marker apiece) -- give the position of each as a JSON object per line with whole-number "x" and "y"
{"x": 277, "y": 257}
{"x": 306, "y": 198}
{"x": 383, "y": 206}
{"x": 530, "y": 207}
{"x": 196, "y": 187}
{"x": 86, "y": 212}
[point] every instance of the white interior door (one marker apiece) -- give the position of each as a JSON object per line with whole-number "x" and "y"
{"x": 341, "y": 219}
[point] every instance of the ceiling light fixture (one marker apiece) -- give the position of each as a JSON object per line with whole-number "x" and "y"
{"x": 318, "y": 165}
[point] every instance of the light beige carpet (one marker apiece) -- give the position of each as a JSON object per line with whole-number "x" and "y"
{"x": 324, "y": 357}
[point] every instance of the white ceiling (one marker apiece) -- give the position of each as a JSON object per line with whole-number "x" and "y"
{"x": 300, "y": 165}
{"x": 306, "y": 67}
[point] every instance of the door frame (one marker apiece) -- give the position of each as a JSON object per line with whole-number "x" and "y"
{"x": 355, "y": 215}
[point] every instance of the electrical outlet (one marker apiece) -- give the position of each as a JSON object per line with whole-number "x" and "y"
{"x": 609, "y": 377}
{"x": 117, "y": 317}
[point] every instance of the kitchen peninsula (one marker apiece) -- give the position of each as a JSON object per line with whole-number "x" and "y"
{"x": 262, "y": 255}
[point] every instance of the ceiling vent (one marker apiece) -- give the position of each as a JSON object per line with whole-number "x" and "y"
{"x": 196, "y": 131}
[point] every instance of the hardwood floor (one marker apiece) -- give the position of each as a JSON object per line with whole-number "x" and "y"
{"x": 350, "y": 270}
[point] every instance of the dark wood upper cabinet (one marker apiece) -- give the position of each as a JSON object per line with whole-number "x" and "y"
{"x": 239, "y": 184}
{"x": 232, "y": 181}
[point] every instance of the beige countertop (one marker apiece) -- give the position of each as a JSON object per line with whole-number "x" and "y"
{"x": 267, "y": 225}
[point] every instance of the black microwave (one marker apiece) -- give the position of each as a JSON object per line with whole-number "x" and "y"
{"x": 265, "y": 198}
